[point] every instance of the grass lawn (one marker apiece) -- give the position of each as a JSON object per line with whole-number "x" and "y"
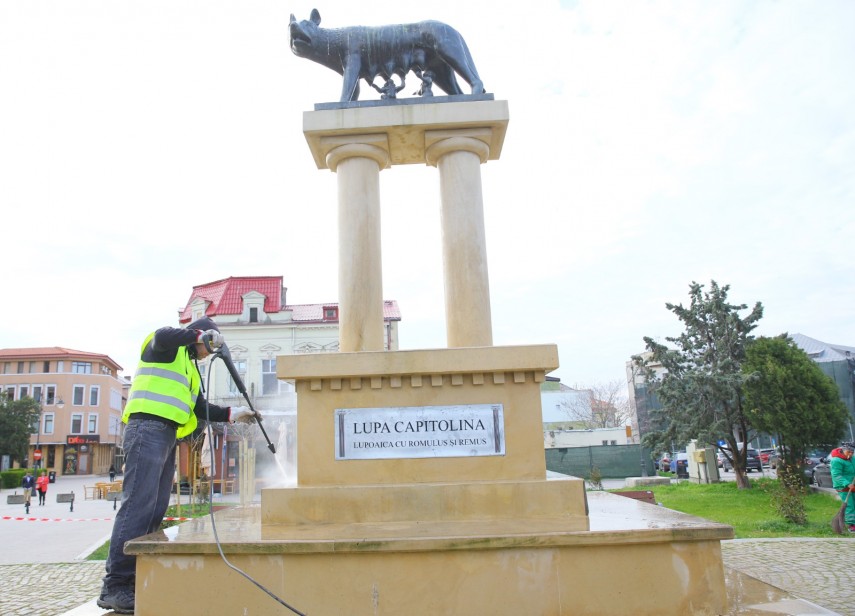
{"x": 751, "y": 512}
{"x": 187, "y": 511}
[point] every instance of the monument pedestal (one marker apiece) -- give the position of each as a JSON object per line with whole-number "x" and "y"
{"x": 636, "y": 558}
{"x": 482, "y": 534}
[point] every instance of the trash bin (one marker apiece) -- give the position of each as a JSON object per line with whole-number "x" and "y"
{"x": 51, "y": 476}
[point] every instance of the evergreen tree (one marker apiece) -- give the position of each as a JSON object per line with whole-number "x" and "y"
{"x": 789, "y": 396}
{"x": 699, "y": 383}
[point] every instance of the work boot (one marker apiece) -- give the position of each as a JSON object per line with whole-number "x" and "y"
{"x": 120, "y": 599}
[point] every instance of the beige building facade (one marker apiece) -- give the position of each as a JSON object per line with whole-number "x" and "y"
{"x": 82, "y": 398}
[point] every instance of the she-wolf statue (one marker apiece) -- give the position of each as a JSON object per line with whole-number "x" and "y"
{"x": 364, "y": 52}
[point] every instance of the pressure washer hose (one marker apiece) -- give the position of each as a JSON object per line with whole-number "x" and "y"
{"x": 211, "y": 505}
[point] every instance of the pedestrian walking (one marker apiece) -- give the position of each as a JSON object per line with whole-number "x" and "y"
{"x": 163, "y": 404}
{"x": 41, "y": 486}
{"x": 112, "y": 473}
{"x": 28, "y": 483}
{"x": 843, "y": 479}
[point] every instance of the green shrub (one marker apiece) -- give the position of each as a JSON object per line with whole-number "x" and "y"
{"x": 12, "y": 478}
{"x": 595, "y": 479}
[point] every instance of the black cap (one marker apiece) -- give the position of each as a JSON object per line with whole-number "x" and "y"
{"x": 205, "y": 323}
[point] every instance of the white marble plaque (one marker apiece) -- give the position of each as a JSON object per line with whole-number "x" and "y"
{"x": 420, "y": 432}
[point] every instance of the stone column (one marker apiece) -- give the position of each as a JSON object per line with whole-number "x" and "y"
{"x": 357, "y": 162}
{"x": 458, "y": 155}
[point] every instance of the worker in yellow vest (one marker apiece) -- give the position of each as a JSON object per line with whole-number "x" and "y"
{"x": 163, "y": 405}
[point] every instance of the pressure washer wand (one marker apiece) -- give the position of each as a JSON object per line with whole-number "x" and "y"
{"x": 226, "y": 356}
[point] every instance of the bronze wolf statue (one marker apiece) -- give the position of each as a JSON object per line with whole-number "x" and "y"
{"x": 362, "y": 52}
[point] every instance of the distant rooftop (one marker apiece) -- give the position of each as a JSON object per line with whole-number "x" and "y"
{"x": 823, "y": 351}
{"x": 36, "y": 353}
{"x": 225, "y": 297}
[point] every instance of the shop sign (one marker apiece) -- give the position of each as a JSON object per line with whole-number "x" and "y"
{"x": 80, "y": 439}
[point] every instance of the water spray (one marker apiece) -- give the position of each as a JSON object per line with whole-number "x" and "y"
{"x": 224, "y": 354}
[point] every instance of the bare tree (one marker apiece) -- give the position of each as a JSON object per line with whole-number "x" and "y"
{"x": 601, "y": 405}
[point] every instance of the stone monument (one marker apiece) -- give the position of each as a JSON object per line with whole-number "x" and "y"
{"x": 421, "y": 478}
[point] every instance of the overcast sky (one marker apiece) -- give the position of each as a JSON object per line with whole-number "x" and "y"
{"x": 147, "y": 147}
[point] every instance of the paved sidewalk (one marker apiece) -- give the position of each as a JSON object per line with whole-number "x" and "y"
{"x": 49, "y": 589}
{"x": 53, "y": 533}
{"x": 813, "y": 569}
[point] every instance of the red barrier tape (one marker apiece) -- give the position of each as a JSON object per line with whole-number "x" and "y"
{"x": 16, "y": 518}
{"x": 25, "y": 519}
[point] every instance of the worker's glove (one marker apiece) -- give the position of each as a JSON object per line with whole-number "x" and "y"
{"x": 242, "y": 414}
{"x": 212, "y": 339}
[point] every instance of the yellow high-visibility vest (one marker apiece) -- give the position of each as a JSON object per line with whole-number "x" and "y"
{"x": 166, "y": 390}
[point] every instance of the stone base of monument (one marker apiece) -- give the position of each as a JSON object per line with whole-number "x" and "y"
{"x": 633, "y": 557}
{"x": 422, "y": 489}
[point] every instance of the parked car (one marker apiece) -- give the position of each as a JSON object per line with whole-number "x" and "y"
{"x": 752, "y": 462}
{"x": 822, "y": 474}
{"x": 680, "y": 464}
{"x": 765, "y": 456}
{"x": 813, "y": 457}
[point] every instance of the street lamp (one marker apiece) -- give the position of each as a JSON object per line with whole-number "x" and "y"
{"x": 37, "y": 453}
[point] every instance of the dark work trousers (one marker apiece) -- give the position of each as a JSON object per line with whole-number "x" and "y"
{"x": 149, "y": 447}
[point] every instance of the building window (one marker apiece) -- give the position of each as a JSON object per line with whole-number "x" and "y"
{"x": 32, "y": 367}
{"x": 269, "y": 382}
{"x": 94, "y": 395}
{"x": 7, "y": 367}
{"x": 253, "y": 315}
{"x": 240, "y": 366}
{"x": 24, "y": 391}
{"x": 614, "y": 442}
{"x": 93, "y": 423}
{"x": 115, "y": 399}
{"x": 77, "y": 396}
{"x": 10, "y": 392}
{"x": 20, "y": 367}
{"x": 48, "y": 423}
{"x": 50, "y": 395}
{"x": 81, "y": 367}
{"x": 46, "y": 367}
{"x": 37, "y": 393}
{"x": 60, "y": 366}
{"x": 605, "y": 442}
{"x": 330, "y": 313}
{"x": 76, "y": 423}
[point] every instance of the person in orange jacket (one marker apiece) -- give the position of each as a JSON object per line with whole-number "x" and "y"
{"x": 41, "y": 487}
